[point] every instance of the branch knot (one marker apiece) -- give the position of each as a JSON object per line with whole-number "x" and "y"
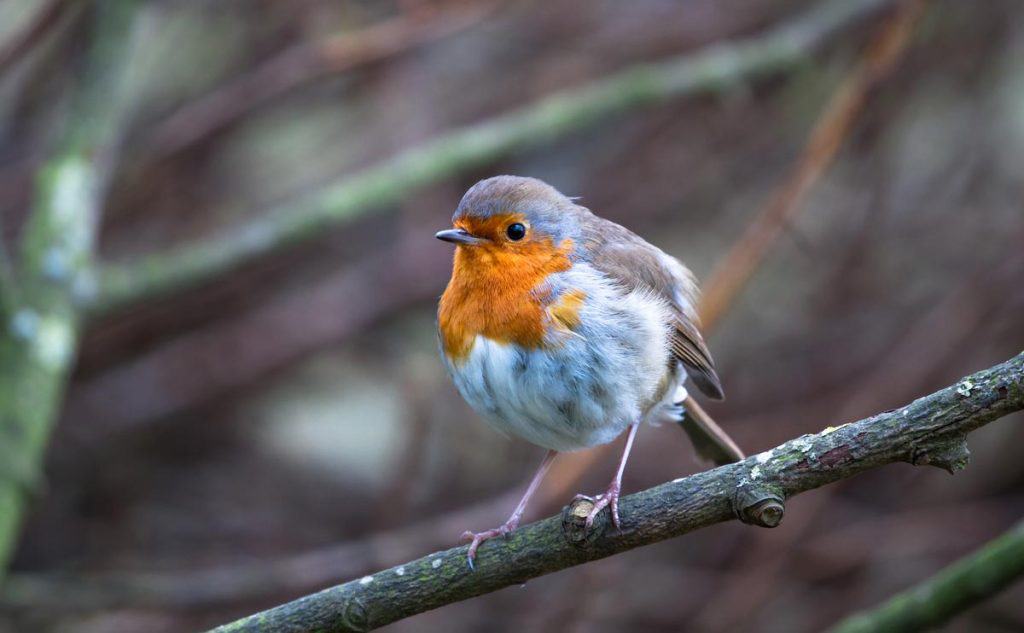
{"x": 758, "y": 505}
{"x": 950, "y": 454}
{"x": 354, "y": 616}
{"x": 574, "y": 522}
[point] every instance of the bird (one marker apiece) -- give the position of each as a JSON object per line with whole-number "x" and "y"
{"x": 568, "y": 330}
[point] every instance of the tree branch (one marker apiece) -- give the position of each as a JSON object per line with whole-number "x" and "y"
{"x": 832, "y": 127}
{"x": 736, "y": 268}
{"x": 243, "y": 582}
{"x": 965, "y": 583}
{"x": 8, "y": 284}
{"x": 714, "y": 69}
{"x": 932, "y": 430}
{"x": 19, "y": 44}
{"x": 37, "y": 343}
{"x": 304, "y": 62}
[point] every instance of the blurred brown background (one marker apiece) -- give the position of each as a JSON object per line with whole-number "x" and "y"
{"x": 287, "y": 425}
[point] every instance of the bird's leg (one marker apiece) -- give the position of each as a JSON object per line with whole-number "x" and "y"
{"x": 611, "y": 496}
{"x": 506, "y": 528}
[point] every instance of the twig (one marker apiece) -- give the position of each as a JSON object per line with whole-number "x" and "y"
{"x": 12, "y": 51}
{"x": 233, "y": 583}
{"x": 952, "y": 322}
{"x": 721, "y": 290}
{"x": 749, "y": 251}
{"x": 965, "y": 583}
{"x": 20, "y": 43}
{"x": 761, "y": 561}
{"x": 747, "y": 254}
{"x": 305, "y": 62}
{"x": 835, "y": 123}
{"x": 711, "y": 70}
{"x": 931, "y": 430}
{"x": 59, "y": 237}
{"x": 420, "y": 384}
{"x": 8, "y": 283}
{"x": 108, "y": 398}
{"x": 764, "y": 560}
{"x": 852, "y": 546}
{"x": 932, "y": 340}
{"x": 194, "y": 368}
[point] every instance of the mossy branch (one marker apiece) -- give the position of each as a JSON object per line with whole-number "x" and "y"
{"x": 38, "y": 340}
{"x": 967, "y": 582}
{"x": 714, "y": 69}
{"x": 8, "y": 284}
{"x": 923, "y": 432}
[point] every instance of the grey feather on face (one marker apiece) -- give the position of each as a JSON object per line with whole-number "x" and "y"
{"x": 548, "y": 213}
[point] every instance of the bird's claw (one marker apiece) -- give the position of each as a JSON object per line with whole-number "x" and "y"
{"x": 608, "y": 499}
{"x": 476, "y": 538}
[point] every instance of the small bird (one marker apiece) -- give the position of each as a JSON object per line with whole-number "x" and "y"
{"x": 567, "y": 330}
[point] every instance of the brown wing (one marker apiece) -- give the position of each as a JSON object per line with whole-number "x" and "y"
{"x": 688, "y": 346}
{"x": 627, "y": 258}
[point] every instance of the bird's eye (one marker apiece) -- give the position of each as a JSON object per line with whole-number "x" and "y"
{"x": 515, "y": 232}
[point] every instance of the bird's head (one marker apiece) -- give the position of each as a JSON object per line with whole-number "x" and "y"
{"x": 513, "y": 219}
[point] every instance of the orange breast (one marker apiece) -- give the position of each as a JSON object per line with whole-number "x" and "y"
{"x": 491, "y": 293}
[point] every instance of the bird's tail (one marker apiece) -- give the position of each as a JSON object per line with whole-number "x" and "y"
{"x": 711, "y": 442}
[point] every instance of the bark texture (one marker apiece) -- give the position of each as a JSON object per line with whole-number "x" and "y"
{"x": 929, "y": 431}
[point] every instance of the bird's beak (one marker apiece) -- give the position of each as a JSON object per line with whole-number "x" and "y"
{"x": 459, "y": 236}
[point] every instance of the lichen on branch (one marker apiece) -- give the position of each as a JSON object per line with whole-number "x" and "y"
{"x": 755, "y": 489}
{"x": 39, "y": 332}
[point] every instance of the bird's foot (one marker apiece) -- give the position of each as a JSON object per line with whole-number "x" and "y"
{"x": 476, "y": 538}
{"x": 610, "y": 499}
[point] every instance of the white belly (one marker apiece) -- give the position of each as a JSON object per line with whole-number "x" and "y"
{"x": 585, "y": 389}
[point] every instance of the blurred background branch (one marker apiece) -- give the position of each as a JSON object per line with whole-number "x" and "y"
{"x": 831, "y": 129}
{"x": 959, "y": 587}
{"x": 720, "y": 67}
{"x": 744, "y": 256}
{"x": 37, "y": 347}
{"x": 197, "y": 368}
{"x": 227, "y": 584}
{"x": 8, "y": 284}
{"x": 46, "y": 17}
{"x": 929, "y": 431}
{"x": 306, "y": 62}
{"x": 284, "y": 421}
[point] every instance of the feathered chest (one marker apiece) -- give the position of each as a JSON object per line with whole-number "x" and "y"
{"x": 502, "y": 297}
{"x": 589, "y": 360}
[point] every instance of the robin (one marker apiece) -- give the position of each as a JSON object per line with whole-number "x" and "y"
{"x": 568, "y": 330}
